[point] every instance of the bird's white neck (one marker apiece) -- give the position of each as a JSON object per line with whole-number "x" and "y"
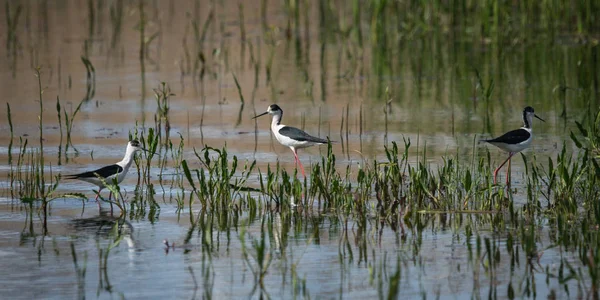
{"x": 128, "y": 158}
{"x": 276, "y": 121}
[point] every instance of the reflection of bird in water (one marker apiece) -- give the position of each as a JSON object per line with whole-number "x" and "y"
{"x": 281, "y": 228}
{"x": 105, "y": 226}
{"x": 277, "y": 234}
{"x": 107, "y": 232}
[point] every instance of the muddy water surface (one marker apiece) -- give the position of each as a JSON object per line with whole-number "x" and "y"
{"x": 429, "y": 93}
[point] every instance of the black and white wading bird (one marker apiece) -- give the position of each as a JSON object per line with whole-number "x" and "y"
{"x": 291, "y": 137}
{"x": 516, "y": 140}
{"x": 109, "y": 173}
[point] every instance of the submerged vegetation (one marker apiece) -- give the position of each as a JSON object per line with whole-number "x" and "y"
{"x": 373, "y": 218}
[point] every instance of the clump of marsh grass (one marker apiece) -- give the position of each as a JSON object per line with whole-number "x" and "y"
{"x": 588, "y": 138}
{"x": 69, "y": 119}
{"x": 28, "y": 176}
{"x": 216, "y": 186}
{"x": 145, "y": 188}
{"x": 280, "y": 188}
{"x": 175, "y": 152}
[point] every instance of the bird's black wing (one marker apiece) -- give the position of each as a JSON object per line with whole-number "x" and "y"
{"x": 299, "y": 135}
{"x": 103, "y": 172}
{"x": 512, "y": 137}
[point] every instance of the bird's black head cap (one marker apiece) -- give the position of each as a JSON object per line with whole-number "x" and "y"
{"x": 274, "y": 107}
{"x": 528, "y": 109}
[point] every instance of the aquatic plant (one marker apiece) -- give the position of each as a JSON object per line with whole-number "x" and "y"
{"x": 588, "y": 138}
{"x": 397, "y": 198}
{"x": 216, "y": 186}
{"x": 28, "y": 176}
{"x": 162, "y": 94}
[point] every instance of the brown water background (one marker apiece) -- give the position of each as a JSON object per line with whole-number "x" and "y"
{"x": 426, "y": 86}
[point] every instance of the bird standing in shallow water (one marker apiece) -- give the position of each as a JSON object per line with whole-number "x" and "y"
{"x": 291, "y": 137}
{"x": 110, "y": 172}
{"x": 516, "y": 140}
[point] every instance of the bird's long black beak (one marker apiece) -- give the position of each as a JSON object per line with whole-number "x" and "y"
{"x": 266, "y": 112}
{"x": 539, "y": 118}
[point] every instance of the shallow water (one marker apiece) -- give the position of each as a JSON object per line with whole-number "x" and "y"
{"x": 435, "y": 101}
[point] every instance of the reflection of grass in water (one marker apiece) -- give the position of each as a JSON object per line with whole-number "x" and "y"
{"x": 433, "y": 30}
{"x": 90, "y": 79}
{"x": 243, "y": 40}
{"x": 108, "y": 232}
{"x": 116, "y": 21}
{"x": 80, "y": 271}
{"x": 397, "y": 193}
{"x": 258, "y": 258}
{"x": 12, "y": 39}
{"x": 242, "y": 102}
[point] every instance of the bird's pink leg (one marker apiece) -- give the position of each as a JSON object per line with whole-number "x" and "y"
{"x": 298, "y": 162}
{"x": 98, "y": 195}
{"x": 500, "y": 167}
{"x": 295, "y": 158}
{"x": 508, "y": 172}
{"x": 301, "y": 168}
